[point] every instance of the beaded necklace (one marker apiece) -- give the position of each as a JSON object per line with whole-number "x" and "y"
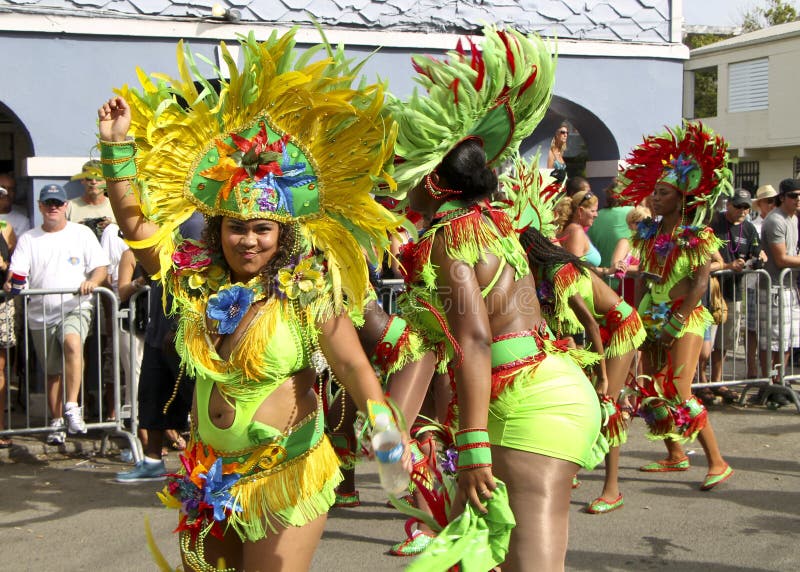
{"x": 738, "y": 242}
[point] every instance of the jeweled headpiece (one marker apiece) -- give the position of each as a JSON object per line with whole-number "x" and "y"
{"x": 689, "y": 158}
{"x": 279, "y": 138}
{"x": 498, "y": 94}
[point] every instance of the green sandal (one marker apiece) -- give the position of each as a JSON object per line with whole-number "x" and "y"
{"x": 602, "y": 506}
{"x": 666, "y": 466}
{"x": 413, "y": 545}
{"x": 347, "y": 500}
{"x": 713, "y": 480}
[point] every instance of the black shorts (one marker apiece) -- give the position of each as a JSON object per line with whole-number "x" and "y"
{"x": 156, "y": 385}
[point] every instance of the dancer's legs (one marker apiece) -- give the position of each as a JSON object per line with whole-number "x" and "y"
{"x": 684, "y": 354}
{"x": 289, "y": 550}
{"x": 617, "y": 370}
{"x": 539, "y": 491}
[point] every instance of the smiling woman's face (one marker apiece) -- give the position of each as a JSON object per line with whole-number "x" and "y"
{"x": 248, "y": 245}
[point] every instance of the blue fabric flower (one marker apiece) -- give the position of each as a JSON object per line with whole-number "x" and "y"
{"x": 216, "y": 492}
{"x": 660, "y": 311}
{"x": 681, "y": 167}
{"x": 228, "y": 307}
{"x": 647, "y": 228}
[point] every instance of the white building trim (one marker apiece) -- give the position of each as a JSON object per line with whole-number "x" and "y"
{"x": 214, "y": 30}
{"x": 53, "y": 167}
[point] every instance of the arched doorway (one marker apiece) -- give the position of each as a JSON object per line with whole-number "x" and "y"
{"x": 592, "y": 150}
{"x": 16, "y": 146}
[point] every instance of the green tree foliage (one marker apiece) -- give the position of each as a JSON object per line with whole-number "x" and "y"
{"x": 693, "y": 41}
{"x": 773, "y": 13}
{"x": 705, "y": 93}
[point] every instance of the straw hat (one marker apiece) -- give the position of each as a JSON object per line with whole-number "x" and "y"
{"x": 765, "y": 192}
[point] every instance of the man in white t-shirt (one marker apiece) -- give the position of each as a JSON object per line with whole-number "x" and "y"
{"x": 779, "y": 235}
{"x": 92, "y": 208}
{"x": 60, "y": 255}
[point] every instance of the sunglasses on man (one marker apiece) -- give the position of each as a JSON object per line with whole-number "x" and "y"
{"x": 53, "y": 203}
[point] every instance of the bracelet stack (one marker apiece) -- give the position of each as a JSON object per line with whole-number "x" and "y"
{"x": 473, "y": 449}
{"x": 675, "y": 325}
{"x": 118, "y": 159}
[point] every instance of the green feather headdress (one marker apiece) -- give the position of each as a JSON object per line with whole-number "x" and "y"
{"x": 498, "y": 93}
{"x": 528, "y": 206}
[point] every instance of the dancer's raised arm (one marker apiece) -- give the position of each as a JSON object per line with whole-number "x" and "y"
{"x": 117, "y": 152}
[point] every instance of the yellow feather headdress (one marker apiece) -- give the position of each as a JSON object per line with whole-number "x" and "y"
{"x": 281, "y": 138}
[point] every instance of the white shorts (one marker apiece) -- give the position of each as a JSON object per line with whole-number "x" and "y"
{"x": 788, "y": 323}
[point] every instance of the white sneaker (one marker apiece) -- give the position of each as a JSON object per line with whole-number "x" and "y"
{"x": 57, "y": 436}
{"x": 75, "y": 422}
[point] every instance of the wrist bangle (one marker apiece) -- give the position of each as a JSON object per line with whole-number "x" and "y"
{"x": 676, "y": 323}
{"x": 680, "y": 316}
{"x": 473, "y": 449}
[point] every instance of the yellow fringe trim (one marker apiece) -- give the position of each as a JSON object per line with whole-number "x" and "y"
{"x": 250, "y": 359}
{"x": 292, "y": 494}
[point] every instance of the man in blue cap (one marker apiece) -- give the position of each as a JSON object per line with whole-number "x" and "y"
{"x": 59, "y": 255}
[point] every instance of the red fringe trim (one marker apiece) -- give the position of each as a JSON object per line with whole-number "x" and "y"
{"x": 616, "y": 428}
{"x": 565, "y": 277}
{"x": 504, "y": 375}
{"x": 387, "y": 354}
{"x": 621, "y": 332}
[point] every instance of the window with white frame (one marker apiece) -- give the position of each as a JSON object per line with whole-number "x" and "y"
{"x": 748, "y": 85}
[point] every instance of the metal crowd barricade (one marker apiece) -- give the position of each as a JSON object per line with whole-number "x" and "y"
{"x": 39, "y": 423}
{"x": 750, "y": 326}
{"x": 134, "y": 342}
{"x": 388, "y": 290}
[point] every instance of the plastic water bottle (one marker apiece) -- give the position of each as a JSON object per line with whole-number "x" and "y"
{"x": 388, "y": 446}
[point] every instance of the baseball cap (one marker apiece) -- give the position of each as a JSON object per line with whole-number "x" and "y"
{"x": 766, "y": 192}
{"x": 789, "y": 185}
{"x": 52, "y": 192}
{"x": 741, "y": 198}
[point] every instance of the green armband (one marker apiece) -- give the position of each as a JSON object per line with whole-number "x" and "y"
{"x": 375, "y": 408}
{"x": 672, "y": 330}
{"x": 118, "y": 159}
{"x": 474, "y": 449}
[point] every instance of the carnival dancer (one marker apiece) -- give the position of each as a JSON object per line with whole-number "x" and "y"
{"x": 261, "y": 302}
{"x": 405, "y": 368}
{"x": 524, "y": 416}
{"x": 574, "y": 297}
{"x": 684, "y": 171}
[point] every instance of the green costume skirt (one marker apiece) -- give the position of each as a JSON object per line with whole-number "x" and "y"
{"x": 546, "y": 405}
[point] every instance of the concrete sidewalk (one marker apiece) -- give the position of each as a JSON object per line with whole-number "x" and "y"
{"x": 64, "y": 511}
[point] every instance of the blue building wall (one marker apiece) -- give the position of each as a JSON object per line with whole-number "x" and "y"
{"x": 54, "y": 82}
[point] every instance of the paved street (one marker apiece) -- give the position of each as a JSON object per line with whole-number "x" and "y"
{"x": 66, "y": 513}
